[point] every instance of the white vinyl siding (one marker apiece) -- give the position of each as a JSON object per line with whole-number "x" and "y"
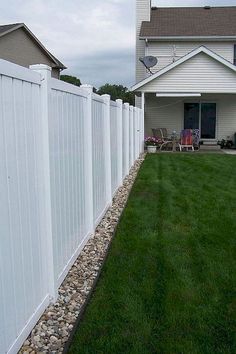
{"x": 168, "y": 52}
{"x": 143, "y": 8}
{"x": 169, "y": 113}
{"x": 199, "y": 74}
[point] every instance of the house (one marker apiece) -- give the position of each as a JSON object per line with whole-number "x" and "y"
{"x": 193, "y": 85}
{"x": 20, "y": 46}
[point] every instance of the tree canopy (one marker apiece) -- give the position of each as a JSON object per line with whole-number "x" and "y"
{"x": 117, "y": 91}
{"x": 71, "y": 79}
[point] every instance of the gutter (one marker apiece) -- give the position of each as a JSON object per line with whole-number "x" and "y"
{"x": 188, "y": 38}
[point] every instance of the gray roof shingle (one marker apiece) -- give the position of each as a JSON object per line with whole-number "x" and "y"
{"x": 190, "y": 21}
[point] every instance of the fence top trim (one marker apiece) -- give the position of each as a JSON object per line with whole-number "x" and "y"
{"x": 114, "y": 104}
{"x": 97, "y": 98}
{"x": 18, "y": 72}
{"x": 60, "y": 85}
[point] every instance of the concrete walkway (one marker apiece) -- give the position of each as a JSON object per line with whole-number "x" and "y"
{"x": 230, "y": 152}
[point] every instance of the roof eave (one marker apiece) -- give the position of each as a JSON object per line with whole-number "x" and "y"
{"x": 13, "y": 28}
{"x": 183, "y": 38}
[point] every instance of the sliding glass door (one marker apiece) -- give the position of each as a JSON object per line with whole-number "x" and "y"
{"x": 201, "y": 116}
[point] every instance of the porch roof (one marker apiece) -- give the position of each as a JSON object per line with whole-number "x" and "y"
{"x": 201, "y": 71}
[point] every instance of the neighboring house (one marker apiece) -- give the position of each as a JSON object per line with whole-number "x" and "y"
{"x": 20, "y": 46}
{"x": 194, "y": 83}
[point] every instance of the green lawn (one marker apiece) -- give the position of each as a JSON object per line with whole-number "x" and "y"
{"x": 169, "y": 284}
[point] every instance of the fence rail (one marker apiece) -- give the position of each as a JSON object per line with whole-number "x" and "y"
{"x": 64, "y": 151}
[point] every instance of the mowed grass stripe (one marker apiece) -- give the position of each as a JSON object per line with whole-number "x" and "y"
{"x": 169, "y": 284}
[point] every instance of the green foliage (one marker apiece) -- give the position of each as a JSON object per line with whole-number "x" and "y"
{"x": 169, "y": 283}
{"x": 117, "y": 91}
{"x": 71, "y": 79}
{"x": 226, "y": 144}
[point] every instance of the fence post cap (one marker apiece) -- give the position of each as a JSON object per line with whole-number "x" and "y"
{"x": 40, "y": 67}
{"x": 119, "y": 101}
{"x": 106, "y": 96}
{"x": 87, "y": 87}
{"x": 131, "y": 108}
{"x": 126, "y": 105}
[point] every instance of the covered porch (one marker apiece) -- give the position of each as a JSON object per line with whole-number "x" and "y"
{"x": 213, "y": 114}
{"x": 197, "y": 91}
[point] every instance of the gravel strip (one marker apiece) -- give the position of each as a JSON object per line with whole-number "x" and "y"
{"x": 55, "y": 326}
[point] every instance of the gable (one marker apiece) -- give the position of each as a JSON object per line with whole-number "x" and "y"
{"x": 18, "y": 47}
{"x": 201, "y": 73}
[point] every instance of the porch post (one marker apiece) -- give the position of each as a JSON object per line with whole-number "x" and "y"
{"x": 142, "y": 120}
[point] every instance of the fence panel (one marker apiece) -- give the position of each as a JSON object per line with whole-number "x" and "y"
{"x": 137, "y": 132}
{"x": 114, "y": 146}
{"x": 125, "y": 139}
{"x": 99, "y": 163}
{"x": 63, "y": 153}
{"x": 68, "y": 183}
{"x": 23, "y": 281}
{"x": 131, "y": 136}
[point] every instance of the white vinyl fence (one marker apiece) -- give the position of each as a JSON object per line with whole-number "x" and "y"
{"x": 64, "y": 151}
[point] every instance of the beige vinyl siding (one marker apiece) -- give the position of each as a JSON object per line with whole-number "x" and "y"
{"x": 168, "y": 52}
{"x": 18, "y": 47}
{"x": 163, "y": 113}
{"x": 226, "y": 110}
{"x": 198, "y": 74}
{"x": 169, "y": 113}
{"x": 143, "y": 8}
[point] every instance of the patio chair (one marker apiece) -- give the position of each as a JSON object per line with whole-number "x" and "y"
{"x": 160, "y": 133}
{"x": 186, "y": 139}
{"x": 196, "y": 139}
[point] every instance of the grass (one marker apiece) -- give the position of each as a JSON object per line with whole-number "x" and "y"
{"x": 169, "y": 284}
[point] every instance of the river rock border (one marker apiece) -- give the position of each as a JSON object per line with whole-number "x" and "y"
{"x": 56, "y": 325}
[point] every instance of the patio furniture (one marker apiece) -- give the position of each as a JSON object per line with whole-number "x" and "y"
{"x": 196, "y": 139}
{"x": 160, "y": 133}
{"x": 186, "y": 139}
{"x": 173, "y": 141}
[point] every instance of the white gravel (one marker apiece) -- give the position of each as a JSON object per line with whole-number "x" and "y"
{"x": 53, "y": 329}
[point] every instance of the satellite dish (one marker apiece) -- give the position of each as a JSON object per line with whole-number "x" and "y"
{"x": 149, "y": 62}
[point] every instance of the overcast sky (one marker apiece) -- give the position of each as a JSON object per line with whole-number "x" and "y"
{"x": 95, "y": 39}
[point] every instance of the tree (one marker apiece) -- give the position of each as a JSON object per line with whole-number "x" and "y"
{"x": 71, "y": 79}
{"x": 117, "y": 91}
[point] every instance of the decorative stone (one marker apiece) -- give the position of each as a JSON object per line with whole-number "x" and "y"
{"x": 54, "y": 327}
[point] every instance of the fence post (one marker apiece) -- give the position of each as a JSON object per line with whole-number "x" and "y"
{"x": 45, "y": 198}
{"x": 107, "y": 146}
{"x": 131, "y": 136}
{"x": 88, "y": 156}
{"x": 119, "y": 139}
{"x": 126, "y": 137}
{"x": 140, "y": 131}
